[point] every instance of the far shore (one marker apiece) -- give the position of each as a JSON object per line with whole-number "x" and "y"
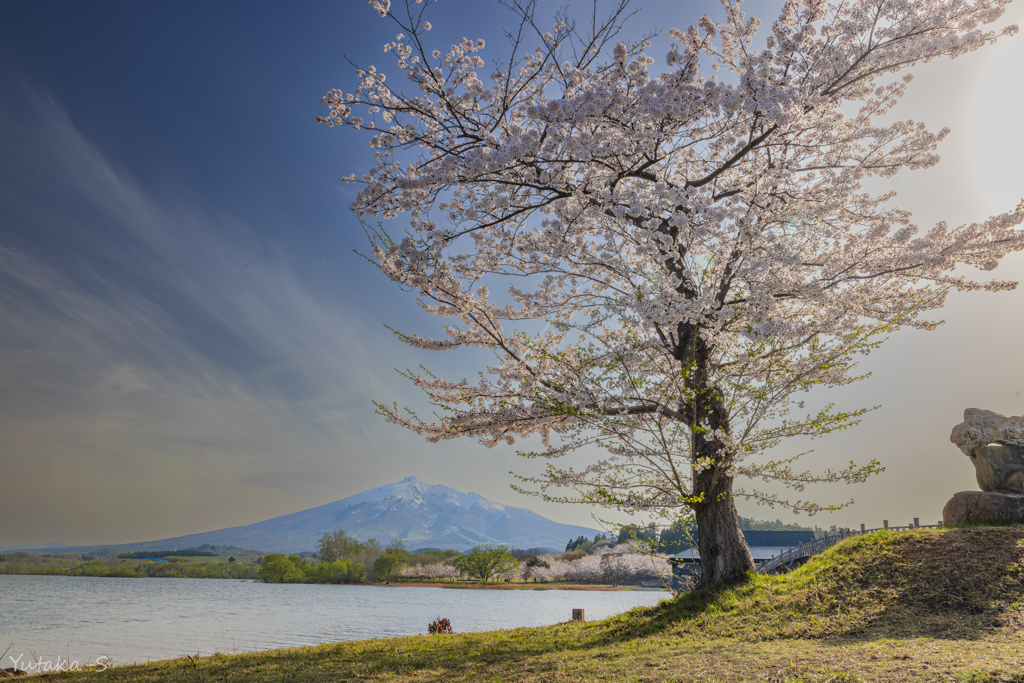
{"x": 459, "y": 585}
{"x": 510, "y": 586}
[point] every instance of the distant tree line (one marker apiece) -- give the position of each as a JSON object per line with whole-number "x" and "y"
{"x": 683, "y": 534}
{"x": 668, "y": 540}
{"x": 281, "y": 568}
{"x": 170, "y": 570}
{"x": 583, "y": 543}
{"x": 176, "y": 567}
{"x": 187, "y": 552}
{"x": 748, "y": 524}
{"x": 341, "y": 558}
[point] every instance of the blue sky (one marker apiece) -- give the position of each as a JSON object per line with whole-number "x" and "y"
{"x": 188, "y": 342}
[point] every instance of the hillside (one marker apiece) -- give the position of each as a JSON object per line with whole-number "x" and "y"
{"x": 425, "y": 515}
{"x": 951, "y": 584}
{"x": 928, "y": 605}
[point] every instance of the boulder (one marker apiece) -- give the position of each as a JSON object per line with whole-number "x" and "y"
{"x": 990, "y": 508}
{"x": 984, "y": 427}
{"x": 999, "y": 468}
{"x": 995, "y": 445}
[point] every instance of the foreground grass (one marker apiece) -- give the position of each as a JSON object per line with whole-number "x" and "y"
{"x": 910, "y": 606}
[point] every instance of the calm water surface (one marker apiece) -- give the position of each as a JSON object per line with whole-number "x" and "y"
{"x": 137, "y": 620}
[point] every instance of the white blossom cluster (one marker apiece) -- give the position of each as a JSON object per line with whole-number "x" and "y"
{"x": 612, "y": 566}
{"x": 606, "y": 565}
{"x": 439, "y": 571}
{"x": 700, "y": 249}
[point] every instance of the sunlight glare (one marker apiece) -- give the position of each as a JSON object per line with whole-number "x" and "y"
{"x": 997, "y": 133}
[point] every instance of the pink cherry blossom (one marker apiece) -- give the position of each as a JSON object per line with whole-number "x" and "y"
{"x": 662, "y": 262}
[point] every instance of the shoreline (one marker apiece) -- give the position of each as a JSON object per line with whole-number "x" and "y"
{"x": 396, "y": 584}
{"x": 511, "y": 586}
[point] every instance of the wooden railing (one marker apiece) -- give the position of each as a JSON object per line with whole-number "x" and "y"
{"x": 818, "y": 545}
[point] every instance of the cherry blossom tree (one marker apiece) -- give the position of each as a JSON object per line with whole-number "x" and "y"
{"x": 587, "y": 568}
{"x": 537, "y": 572}
{"x": 676, "y": 252}
{"x": 444, "y": 571}
{"x": 438, "y": 571}
{"x": 611, "y": 567}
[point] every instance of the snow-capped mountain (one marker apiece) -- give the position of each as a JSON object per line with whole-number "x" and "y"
{"x": 425, "y": 515}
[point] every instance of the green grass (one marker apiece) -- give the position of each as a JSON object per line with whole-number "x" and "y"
{"x": 942, "y": 605}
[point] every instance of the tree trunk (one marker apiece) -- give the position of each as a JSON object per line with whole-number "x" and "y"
{"x": 724, "y": 555}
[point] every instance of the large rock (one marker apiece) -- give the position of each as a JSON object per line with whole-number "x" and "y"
{"x": 984, "y": 427}
{"x": 999, "y": 468}
{"x": 995, "y": 445}
{"x": 989, "y": 508}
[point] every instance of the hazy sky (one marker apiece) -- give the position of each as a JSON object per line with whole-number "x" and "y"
{"x": 188, "y": 342}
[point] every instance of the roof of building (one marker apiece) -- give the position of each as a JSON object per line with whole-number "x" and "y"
{"x": 764, "y": 545}
{"x": 760, "y": 553}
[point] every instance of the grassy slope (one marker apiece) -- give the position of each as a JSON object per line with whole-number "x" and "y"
{"x": 909, "y": 606}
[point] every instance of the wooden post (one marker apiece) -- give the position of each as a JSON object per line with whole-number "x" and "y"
{"x": 577, "y": 615}
{"x": 885, "y": 523}
{"x": 917, "y": 522}
{"x": 862, "y": 528}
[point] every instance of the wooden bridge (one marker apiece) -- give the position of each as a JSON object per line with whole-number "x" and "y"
{"x": 794, "y": 557}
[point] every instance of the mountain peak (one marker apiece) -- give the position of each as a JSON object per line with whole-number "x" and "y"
{"x": 425, "y": 515}
{"x": 436, "y": 515}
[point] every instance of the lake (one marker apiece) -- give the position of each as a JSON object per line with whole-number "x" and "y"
{"x": 137, "y": 620}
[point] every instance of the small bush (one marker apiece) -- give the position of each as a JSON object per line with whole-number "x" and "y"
{"x": 440, "y": 625}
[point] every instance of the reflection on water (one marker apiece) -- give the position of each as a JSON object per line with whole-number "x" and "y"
{"x": 137, "y": 620}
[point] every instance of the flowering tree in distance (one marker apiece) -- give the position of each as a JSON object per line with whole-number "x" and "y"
{"x": 678, "y": 256}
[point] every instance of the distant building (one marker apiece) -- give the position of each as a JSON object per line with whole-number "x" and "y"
{"x": 764, "y": 545}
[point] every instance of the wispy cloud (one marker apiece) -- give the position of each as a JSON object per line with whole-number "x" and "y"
{"x": 154, "y": 347}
